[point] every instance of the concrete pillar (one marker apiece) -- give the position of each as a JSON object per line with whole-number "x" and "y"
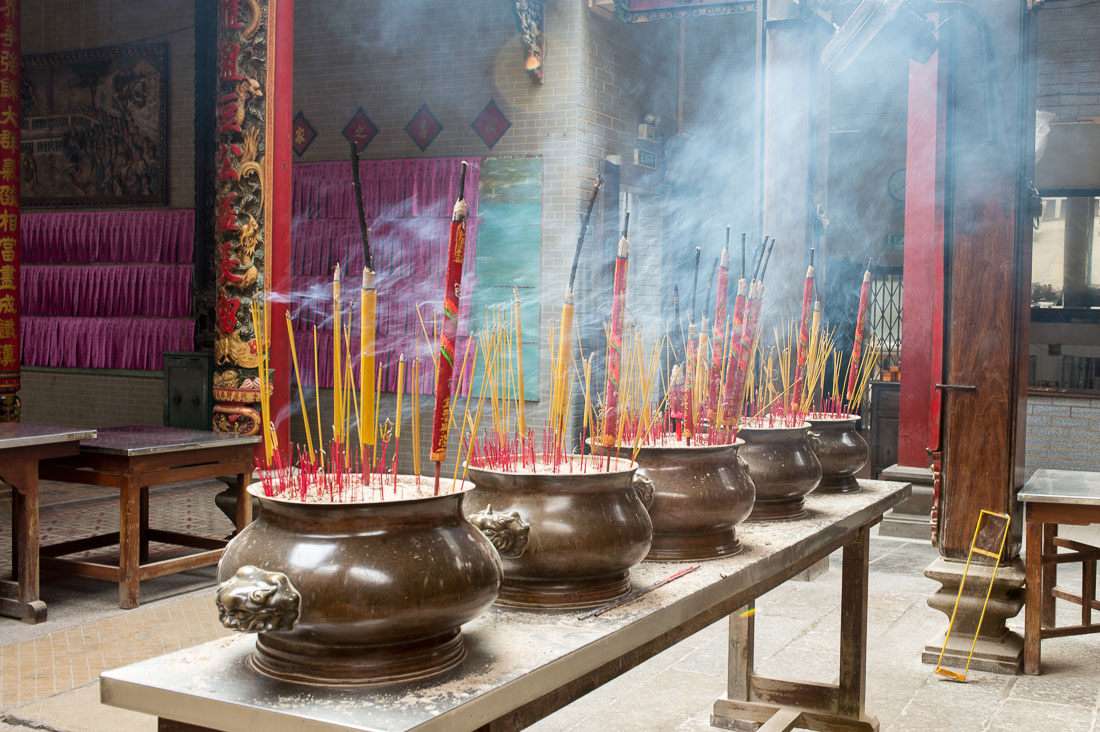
{"x": 1079, "y": 213}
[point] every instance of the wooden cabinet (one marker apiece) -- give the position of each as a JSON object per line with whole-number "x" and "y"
{"x": 885, "y": 400}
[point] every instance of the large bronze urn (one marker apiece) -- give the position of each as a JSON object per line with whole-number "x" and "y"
{"x": 841, "y": 450}
{"x": 357, "y": 593}
{"x": 784, "y": 469}
{"x": 567, "y": 539}
{"x": 700, "y": 493}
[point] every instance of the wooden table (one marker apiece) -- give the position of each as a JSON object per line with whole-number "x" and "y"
{"x": 22, "y": 446}
{"x": 523, "y": 665}
{"x": 1053, "y": 497}
{"x": 132, "y": 459}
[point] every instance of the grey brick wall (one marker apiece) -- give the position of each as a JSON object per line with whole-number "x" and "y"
{"x": 69, "y": 397}
{"x": 67, "y": 25}
{"x": 1063, "y": 433}
{"x": 1069, "y": 60}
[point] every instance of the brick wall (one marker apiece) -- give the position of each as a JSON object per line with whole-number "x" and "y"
{"x": 1063, "y": 433}
{"x": 92, "y": 398}
{"x": 105, "y": 399}
{"x": 1069, "y": 60}
{"x": 627, "y": 72}
{"x": 392, "y": 58}
{"x": 67, "y": 25}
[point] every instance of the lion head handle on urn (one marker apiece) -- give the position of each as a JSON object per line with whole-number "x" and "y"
{"x": 643, "y": 487}
{"x": 255, "y": 600}
{"x": 506, "y": 530}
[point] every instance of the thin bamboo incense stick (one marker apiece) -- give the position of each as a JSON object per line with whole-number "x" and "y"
{"x": 298, "y": 378}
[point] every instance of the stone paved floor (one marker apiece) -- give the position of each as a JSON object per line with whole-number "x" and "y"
{"x": 49, "y": 672}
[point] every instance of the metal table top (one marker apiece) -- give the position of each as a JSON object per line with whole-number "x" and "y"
{"x": 1076, "y": 487}
{"x": 14, "y": 435}
{"x": 148, "y": 440}
{"x": 515, "y": 656}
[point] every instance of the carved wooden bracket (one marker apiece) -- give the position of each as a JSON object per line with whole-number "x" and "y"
{"x": 937, "y": 487}
{"x": 529, "y": 21}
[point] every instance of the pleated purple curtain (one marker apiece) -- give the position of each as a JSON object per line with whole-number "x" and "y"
{"x": 105, "y": 289}
{"x": 408, "y": 207}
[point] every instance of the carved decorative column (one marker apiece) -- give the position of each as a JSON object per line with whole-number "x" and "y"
{"x": 252, "y": 230}
{"x": 9, "y": 210}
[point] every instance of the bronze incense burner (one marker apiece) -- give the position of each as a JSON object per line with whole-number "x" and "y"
{"x": 841, "y": 450}
{"x": 701, "y": 492}
{"x": 784, "y": 469}
{"x": 357, "y": 593}
{"x": 567, "y": 539}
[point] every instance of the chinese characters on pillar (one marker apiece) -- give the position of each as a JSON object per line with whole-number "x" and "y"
{"x": 241, "y": 145}
{"x": 9, "y": 210}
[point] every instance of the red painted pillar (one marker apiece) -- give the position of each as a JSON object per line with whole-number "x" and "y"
{"x": 280, "y": 118}
{"x": 922, "y": 306}
{"x": 9, "y": 210}
{"x": 252, "y": 231}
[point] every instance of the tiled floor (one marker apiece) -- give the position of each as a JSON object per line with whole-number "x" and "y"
{"x": 49, "y": 672}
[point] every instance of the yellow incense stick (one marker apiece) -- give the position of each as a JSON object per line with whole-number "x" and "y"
{"x": 416, "y": 410}
{"x": 337, "y": 362}
{"x": 368, "y": 297}
{"x": 317, "y": 392}
{"x": 301, "y": 395}
{"x": 521, "y": 407}
{"x": 400, "y": 395}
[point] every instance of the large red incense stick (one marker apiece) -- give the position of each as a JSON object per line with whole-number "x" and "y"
{"x": 731, "y": 387}
{"x": 689, "y": 382}
{"x": 615, "y": 346}
{"x": 857, "y": 344}
{"x": 804, "y": 333}
{"x": 718, "y": 336}
{"x": 456, "y": 255}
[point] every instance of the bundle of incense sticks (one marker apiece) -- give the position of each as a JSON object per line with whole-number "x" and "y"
{"x": 339, "y": 471}
{"x": 707, "y": 391}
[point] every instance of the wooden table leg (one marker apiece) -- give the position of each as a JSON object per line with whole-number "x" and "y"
{"x": 741, "y": 653}
{"x": 1050, "y": 576}
{"x": 244, "y": 501}
{"x": 1034, "y": 591}
{"x": 143, "y": 554}
{"x": 129, "y": 544}
{"x": 23, "y": 479}
{"x": 851, "y": 691}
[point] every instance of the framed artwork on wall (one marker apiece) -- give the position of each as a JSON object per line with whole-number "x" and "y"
{"x": 94, "y": 127}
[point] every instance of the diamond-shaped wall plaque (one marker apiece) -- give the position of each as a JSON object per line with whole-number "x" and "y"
{"x": 491, "y": 124}
{"x": 302, "y": 134}
{"x": 423, "y": 127}
{"x": 360, "y": 130}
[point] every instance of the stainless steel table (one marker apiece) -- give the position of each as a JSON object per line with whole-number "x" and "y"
{"x": 132, "y": 459}
{"x": 22, "y": 446}
{"x": 523, "y": 665}
{"x": 1053, "y": 497}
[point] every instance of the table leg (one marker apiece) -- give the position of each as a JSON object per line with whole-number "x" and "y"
{"x": 129, "y": 544}
{"x": 1050, "y": 576}
{"x": 143, "y": 554}
{"x": 23, "y": 478}
{"x": 851, "y": 691}
{"x": 244, "y": 501}
{"x": 741, "y": 653}
{"x": 1033, "y": 592}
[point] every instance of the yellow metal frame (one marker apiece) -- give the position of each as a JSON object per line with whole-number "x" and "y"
{"x": 955, "y": 675}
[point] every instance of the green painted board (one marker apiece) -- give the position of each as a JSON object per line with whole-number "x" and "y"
{"x": 509, "y": 251}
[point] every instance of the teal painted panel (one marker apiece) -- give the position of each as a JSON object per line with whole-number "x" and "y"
{"x": 509, "y": 243}
{"x": 510, "y": 180}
